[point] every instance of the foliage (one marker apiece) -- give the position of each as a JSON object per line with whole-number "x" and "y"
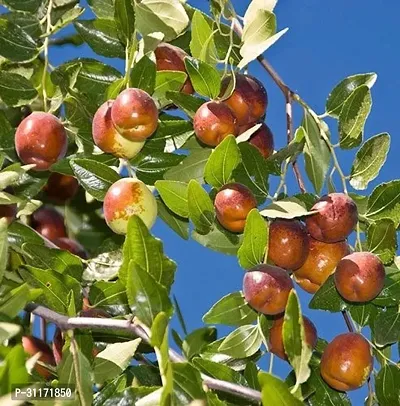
{"x": 130, "y": 278}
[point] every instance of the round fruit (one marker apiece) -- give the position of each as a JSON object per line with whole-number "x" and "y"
{"x": 108, "y": 139}
{"x": 41, "y": 139}
{"x": 266, "y": 288}
{"x": 125, "y": 198}
{"x": 213, "y": 122}
{"x": 321, "y": 262}
{"x": 275, "y": 341}
{"x": 288, "y": 244}
{"x": 248, "y": 101}
{"x": 347, "y": 362}
{"x": 49, "y": 223}
{"x": 336, "y": 218}
{"x": 134, "y": 114}
{"x": 72, "y": 246}
{"x": 170, "y": 57}
{"x": 360, "y": 277}
{"x": 32, "y": 346}
{"x": 232, "y": 204}
{"x": 262, "y": 139}
{"x": 61, "y": 188}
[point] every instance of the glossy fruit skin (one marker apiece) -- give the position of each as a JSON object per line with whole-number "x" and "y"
{"x": 49, "y": 223}
{"x": 266, "y": 288}
{"x": 321, "y": 262}
{"x": 288, "y": 244}
{"x": 336, "y": 218}
{"x": 32, "y": 346}
{"x": 262, "y": 139}
{"x": 170, "y": 57}
{"x": 41, "y": 139}
{"x": 134, "y": 114}
{"x": 72, "y": 246}
{"x": 125, "y": 198}
{"x": 347, "y": 362}
{"x": 61, "y": 188}
{"x": 233, "y": 203}
{"x": 248, "y": 101}
{"x": 213, "y": 122}
{"x": 275, "y": 341}
{"x": 360, "y": 277}
{"x": 108, "y": 139}
{"x": 8, "y": 211}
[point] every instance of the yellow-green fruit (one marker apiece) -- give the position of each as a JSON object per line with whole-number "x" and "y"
{"x": 125, "y": 198}
{"x": 108, "y": 139}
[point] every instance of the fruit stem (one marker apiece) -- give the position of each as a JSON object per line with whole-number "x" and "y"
{"x": 359, "y": 244}
{"x": 347, "y": 320}
{"x": 283, "y": 179}
{"x": 130, "y": 52}
{"x": 46, "y": 52}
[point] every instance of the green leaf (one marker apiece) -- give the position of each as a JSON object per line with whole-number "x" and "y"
{"x": 251, "y": 375}
{"x": 147, "y": 252}
{"x": 328, "y": 298}
{"x": 113, "y": 360}
{"x": 231, "y": 310}
{"x": 387, "y": 386}
{"x": 316, "y": 153}
{"x": 222, "y": 162}
{"x": 15, "y": 90}
{"x": 166, "y": 16}
{"x": 362, "y": 314}
{"x": 202, "y": 45}
{"x": 219, "y": 371}
{"x": 159, "y": 339}
{"x": 146, "y": 296}
{"x": 287, "y": 208}
{"x": 194, "y": 343}
{"x": 8, "y": 330}
{"x": 386, "y": 327}
{"x": 102, "y": 8}
{"x": 382, "y": 240}
{"x": 102, "y": 36}
{"x": 14, "y": 301}
{"x": 7, "y": 137}
{"x": 53, "y": 258}
{"x": 384, "y": 202}
{"x": 294, "y": 340}
{"x": 55, "y": 287}
{"x": 353, "y": 116}
{"x": 125, "y": 19}
{"x": 369, "y": 160}
{"x": 109, "y": 296}
{"x": 186, "y": 102}
{"x": 150, "y": 167}
{"x": 205, "y": 78}
{"x": 201, "y": 209}
{"x": 175, "y": 195}
{"x": 179, "y": 224}
{"x": 18, "y": 234}
{"x": 3, "y": 248}
{"x": 191, "y": 168}
{"x": 187, "y": 384}
{"x": 143, "y": 73}
{"x": 343, "y": 90}
{"x": 104, "y": 266}
{"x": 167, "y": 81}
{"x": 23, "y": 5}
{"x": 255, "y": 241}
{"x": 219, "y": 239}
{"x": 95, "y": 177}
{"x": 75, "y": 369}
{"x": 253, "y": 171}
{"x": 276, "y": 392}
{"x": 390, "y": 294}
{"x": 259, "y": 33}
{"x": 324, "y": 395}
{"x": 15, "y": 44}
{"x": 243, "y": 342}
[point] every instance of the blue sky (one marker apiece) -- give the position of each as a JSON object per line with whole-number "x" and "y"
{"x": 326, "y": 42}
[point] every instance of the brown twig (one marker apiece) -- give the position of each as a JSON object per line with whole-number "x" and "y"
{"x": 69, "y": 323}
{"x": 348, "y": 322}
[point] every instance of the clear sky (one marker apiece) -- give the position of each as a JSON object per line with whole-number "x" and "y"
{"x": 327, "y": 41}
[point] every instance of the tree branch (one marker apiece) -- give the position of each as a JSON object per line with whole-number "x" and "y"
{"x": 68, "y": 323}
